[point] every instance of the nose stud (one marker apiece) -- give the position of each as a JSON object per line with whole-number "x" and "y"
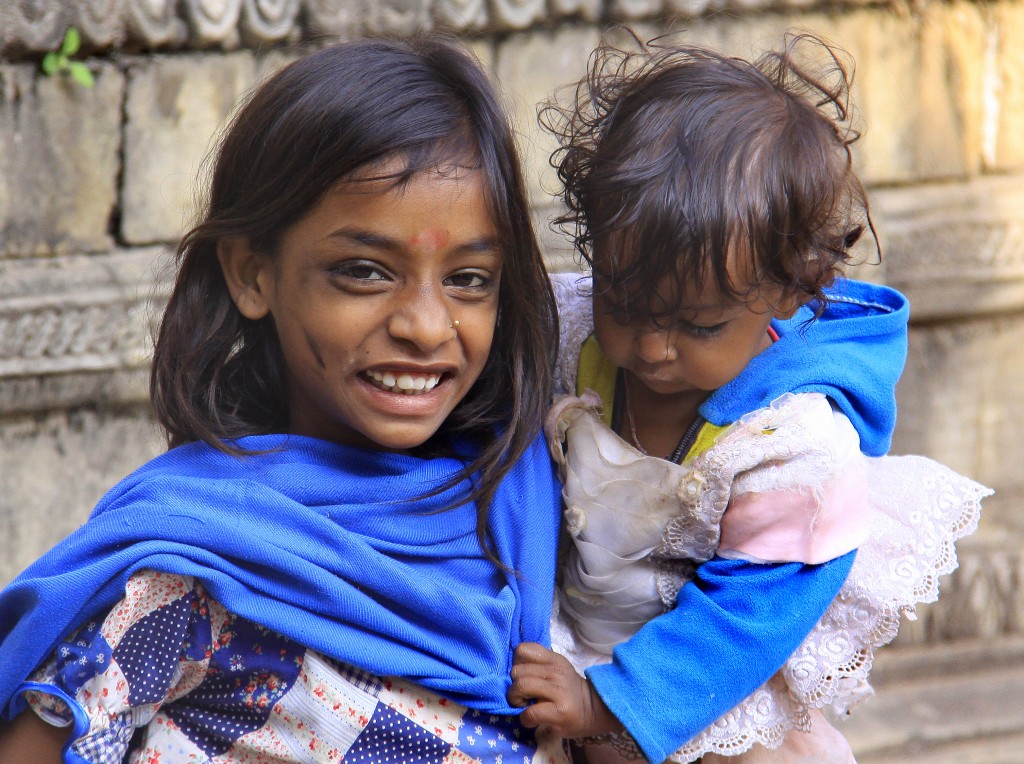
{"x": 454, "y": 324}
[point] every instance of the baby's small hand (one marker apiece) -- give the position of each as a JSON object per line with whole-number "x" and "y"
{"x": 555, "y": 695}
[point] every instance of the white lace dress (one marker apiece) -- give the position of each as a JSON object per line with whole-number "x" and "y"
{"x": 785, "y": 483}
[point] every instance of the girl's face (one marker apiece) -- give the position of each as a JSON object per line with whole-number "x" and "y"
{"x": 707, "y": 345}
{"x": 364, "y": 292}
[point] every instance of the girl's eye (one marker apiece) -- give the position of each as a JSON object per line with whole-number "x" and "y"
{"x": 468, "y": 280}
{"x": 361, "y": 270}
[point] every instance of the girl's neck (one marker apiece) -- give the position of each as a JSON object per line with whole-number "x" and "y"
{"x": 652, "y": 422}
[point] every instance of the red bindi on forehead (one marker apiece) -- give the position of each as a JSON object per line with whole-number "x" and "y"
{"x": 430, "y": 238}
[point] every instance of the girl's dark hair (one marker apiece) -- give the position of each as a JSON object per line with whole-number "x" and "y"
{"x": 675, "y": 158}
{"x": 424, "y": 101}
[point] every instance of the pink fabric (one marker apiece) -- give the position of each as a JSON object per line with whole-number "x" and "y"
{"x": 792, "y": 526}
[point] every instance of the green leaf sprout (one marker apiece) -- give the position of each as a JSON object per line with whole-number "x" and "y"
{"x": 59, "y": 61}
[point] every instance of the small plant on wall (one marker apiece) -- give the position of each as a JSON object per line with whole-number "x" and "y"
{"x": 60, "y": 61}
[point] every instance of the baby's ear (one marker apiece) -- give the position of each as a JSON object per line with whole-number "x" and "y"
{"x": 246, "y": 275}
{"x": 788, "y": 304}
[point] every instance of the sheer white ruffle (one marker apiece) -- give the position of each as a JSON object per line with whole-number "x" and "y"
{"x": 641, "y": 525}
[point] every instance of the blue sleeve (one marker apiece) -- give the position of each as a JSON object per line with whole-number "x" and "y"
{"x": 733, "y": 627}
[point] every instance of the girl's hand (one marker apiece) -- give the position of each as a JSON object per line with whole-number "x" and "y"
{"x": 555, "y": 696}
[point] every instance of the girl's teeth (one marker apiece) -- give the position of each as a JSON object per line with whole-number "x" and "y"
{"x": 405, "y": 383}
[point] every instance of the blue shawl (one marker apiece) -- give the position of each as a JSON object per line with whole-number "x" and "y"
{"x": 325, "y": 544}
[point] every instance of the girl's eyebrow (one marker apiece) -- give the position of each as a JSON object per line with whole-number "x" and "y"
{"x": 379, "y": 241}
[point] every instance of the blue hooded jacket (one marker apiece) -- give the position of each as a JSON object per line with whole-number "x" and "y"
{"x": 853, "y": 353}
{"x": 681, "y": 672}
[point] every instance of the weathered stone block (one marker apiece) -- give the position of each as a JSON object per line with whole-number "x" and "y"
{"x": 962, "y": 396}
{"x": 174, "y": 108}
{"x": 483, "y": 49}
{"x": 917, "y": 87}
{"x": 554, "y": 242}
{"x": 955, "y": 249}
{"x": 56, "y": 468}
{"x": 1007, "y": 36}
{"x": 689, "y": 8}
{"x": 59, "y": 160}
{"x": 530, "y": 67}
{"x": 951, "y": 105}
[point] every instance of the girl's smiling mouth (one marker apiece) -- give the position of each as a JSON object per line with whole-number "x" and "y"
{"x": 403, "y": 382}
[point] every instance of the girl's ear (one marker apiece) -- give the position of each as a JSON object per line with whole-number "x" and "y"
{"x": 244, "y": 273}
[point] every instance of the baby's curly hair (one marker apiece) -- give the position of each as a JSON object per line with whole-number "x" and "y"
{"x": 674, "y": 158}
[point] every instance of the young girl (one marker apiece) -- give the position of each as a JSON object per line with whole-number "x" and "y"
{"x": 357, "y": 521}
{"x": 734, "y": 528}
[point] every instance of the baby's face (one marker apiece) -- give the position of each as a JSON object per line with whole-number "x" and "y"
{"x": 706, "y": 345}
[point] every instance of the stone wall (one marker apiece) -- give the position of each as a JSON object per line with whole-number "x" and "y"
{"x": 96, "y": 183}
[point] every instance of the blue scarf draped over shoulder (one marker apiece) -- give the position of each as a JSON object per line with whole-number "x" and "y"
{"x": 328, "y": 545}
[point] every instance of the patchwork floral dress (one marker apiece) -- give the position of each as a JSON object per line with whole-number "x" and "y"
{"x": 173, "y": 677}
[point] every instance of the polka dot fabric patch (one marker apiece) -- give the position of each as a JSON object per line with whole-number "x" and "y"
{"x": 147, "y": 648}
{"x": 391, "y": 738}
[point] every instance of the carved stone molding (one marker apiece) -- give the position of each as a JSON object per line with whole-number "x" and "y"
{"x": 635, "y": 9}
{"x": 396, "y": 16}
{"x": 32, "y": 27}
{"x": 518, "y": 14}
{"x": 213, "y": 23}
{"x": 104, "y": 23}
{"x": 462, "y": 15}
{"x": 955, "y": 249}
{"x": 269, "y": 20}
{"x": 156, "y": 23}
{"x": 335, "y": 18}
{"x": 85, "y": 320}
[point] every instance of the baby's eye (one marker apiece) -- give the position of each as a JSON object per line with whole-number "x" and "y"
{"x": 702, "y": 331}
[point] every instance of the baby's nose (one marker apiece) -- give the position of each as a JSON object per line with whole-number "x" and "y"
{"x": 655, "y": 345}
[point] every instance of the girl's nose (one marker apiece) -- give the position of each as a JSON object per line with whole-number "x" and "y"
{"x": 655, "y": 345}
{"x": 423, "y": 320}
